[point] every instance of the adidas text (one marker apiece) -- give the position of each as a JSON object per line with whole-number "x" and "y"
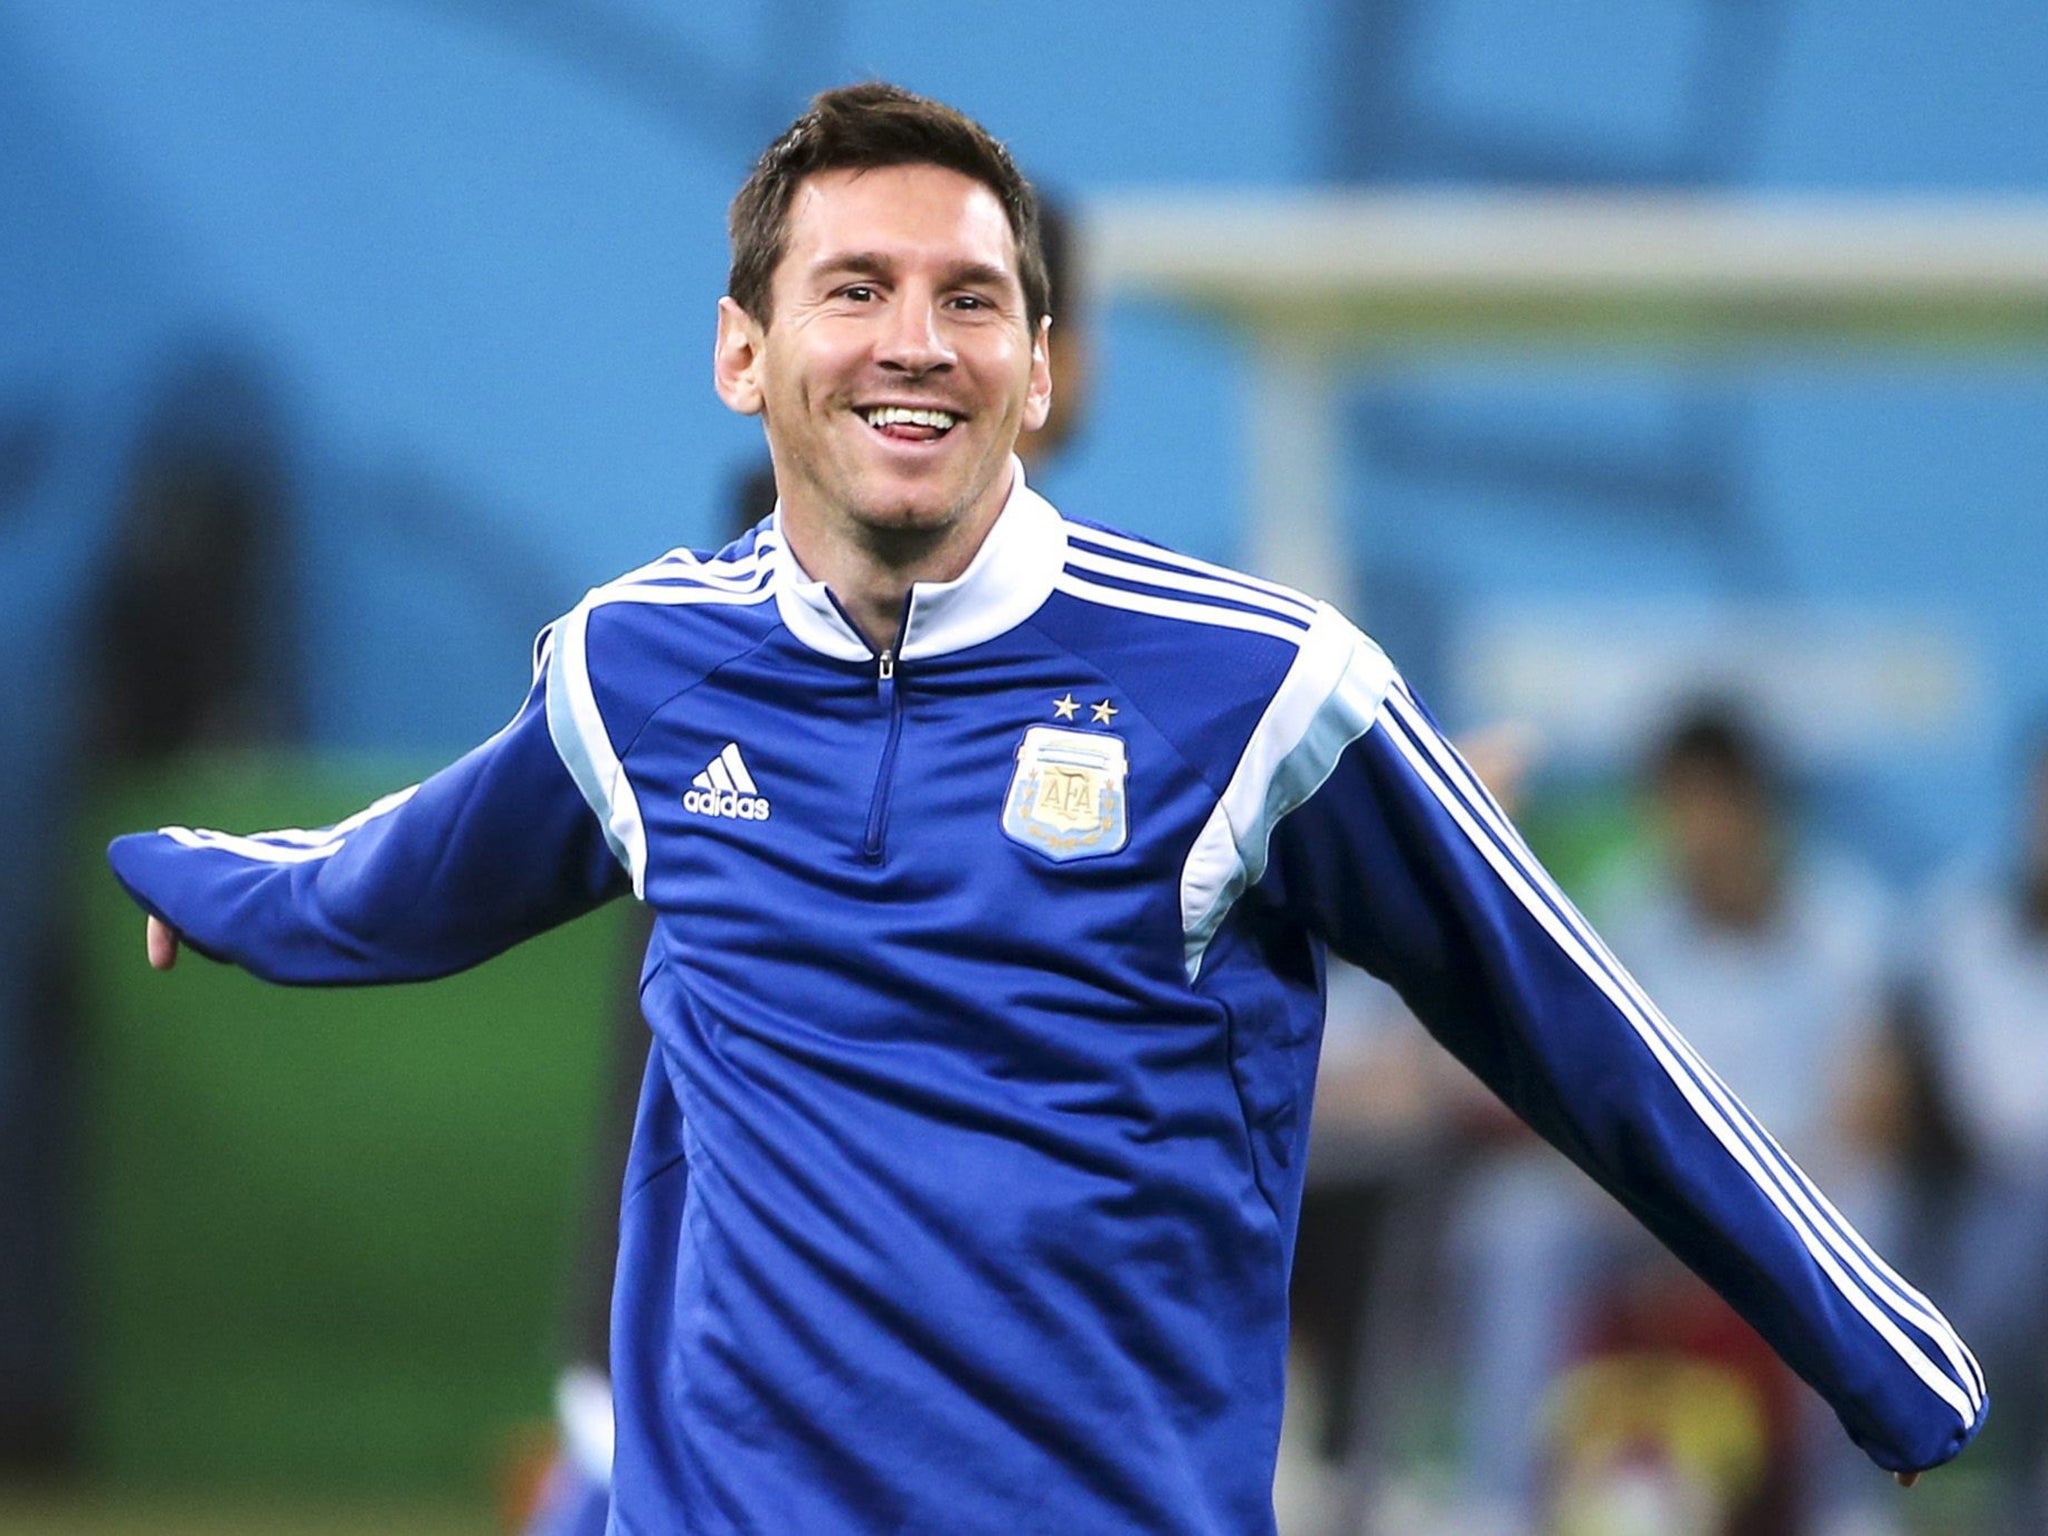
{"x": 725, "y": 802}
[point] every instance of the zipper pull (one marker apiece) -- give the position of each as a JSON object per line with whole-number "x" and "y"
{"x": 885, "y": 666}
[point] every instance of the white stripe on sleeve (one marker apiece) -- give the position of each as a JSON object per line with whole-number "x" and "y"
{"x": 290, "y": 845}
{"x": 577, "y": 729}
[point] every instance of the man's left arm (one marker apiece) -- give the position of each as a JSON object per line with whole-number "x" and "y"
{"x": 1390, "y": 848}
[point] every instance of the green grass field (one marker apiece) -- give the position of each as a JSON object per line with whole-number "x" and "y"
{"x": 324, "y": 1232}
{"x": 102, "y": 1515}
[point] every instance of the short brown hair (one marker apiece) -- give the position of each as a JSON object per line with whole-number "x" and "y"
{"x": 867, "y": 127}
{"x": 1717, "y": 737}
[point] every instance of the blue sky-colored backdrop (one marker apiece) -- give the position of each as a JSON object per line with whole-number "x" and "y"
{"x": 470, "y": 251}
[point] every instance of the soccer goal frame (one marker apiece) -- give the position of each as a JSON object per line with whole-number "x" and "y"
{"x": 1321, "y": 287}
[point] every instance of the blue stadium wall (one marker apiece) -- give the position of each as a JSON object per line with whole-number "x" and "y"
{"x": 467, "y": 255}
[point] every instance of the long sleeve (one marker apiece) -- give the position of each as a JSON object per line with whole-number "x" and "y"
{"x": 493, "y": 849}
{"x": 1403, "y": 863}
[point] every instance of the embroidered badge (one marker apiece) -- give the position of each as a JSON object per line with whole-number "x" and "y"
{"x": 1067, "y": 796}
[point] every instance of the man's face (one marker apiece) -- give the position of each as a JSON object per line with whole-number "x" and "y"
{"x": 1723, "y": 840}
{"x": 897, "y": 368}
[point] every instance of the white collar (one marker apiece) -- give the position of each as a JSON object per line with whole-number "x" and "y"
{"x": 1010, "y": 576}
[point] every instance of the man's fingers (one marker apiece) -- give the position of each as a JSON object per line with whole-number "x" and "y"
{"x": 161, "y": 940}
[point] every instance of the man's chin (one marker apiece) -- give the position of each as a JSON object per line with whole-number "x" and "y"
{"x": 911, "y": 503}
{"x": 908, "y": 519}
{"x": 907, "y": 509}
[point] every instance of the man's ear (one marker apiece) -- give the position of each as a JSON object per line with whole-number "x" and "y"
{"x": 736, "y": 359}
{"x": 1038, "y": 398}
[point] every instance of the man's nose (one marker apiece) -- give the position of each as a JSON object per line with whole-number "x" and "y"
{"x": 914, "y": 340}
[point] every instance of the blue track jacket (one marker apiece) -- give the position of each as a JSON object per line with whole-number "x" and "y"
{"x": 986, "y": 992}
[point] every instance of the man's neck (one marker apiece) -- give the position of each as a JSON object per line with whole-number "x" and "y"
{"x": 870, "y": 571}
{"x": 871, "y": 575}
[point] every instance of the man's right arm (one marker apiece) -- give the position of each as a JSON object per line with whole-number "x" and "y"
{"x": 492, "y": 850}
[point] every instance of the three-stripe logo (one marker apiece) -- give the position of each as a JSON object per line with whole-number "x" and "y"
{"x": 725, "y": 788}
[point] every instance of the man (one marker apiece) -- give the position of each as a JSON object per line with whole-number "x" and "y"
{"x": 573, "y": 1496}
{"x": 994, "y": 856}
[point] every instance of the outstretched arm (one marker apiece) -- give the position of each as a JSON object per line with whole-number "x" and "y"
{"x": 491, "y": 850}
{"x": 1397, "y": 855}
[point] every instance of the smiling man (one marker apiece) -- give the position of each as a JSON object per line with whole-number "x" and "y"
{"x": 994, "y": 856}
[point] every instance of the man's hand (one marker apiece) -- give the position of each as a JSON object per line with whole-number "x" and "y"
{"x": 160, "y": 939}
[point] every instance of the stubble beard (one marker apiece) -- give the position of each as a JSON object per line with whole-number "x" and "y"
{"x": 912, "y": 539}
{"x": 903, "y": 535}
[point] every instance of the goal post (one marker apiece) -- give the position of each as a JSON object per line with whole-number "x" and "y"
{"x": 1322, "y": 285}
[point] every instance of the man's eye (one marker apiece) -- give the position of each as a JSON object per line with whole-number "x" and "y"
{"x": 859, "y": 293}
{"x": 970, "y": 301}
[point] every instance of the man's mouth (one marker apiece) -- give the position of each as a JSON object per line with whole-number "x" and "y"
{"x": 909, "y": 423}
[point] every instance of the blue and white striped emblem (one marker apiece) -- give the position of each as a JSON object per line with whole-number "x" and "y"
{"x": 1067, "y": 798}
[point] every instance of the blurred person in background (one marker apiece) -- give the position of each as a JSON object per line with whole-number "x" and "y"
{"x": 181, "y": 638}
{"x": 1985, "y": 983}
{"x": 1771, "y": 957}
{"x": 1775, "y": 956}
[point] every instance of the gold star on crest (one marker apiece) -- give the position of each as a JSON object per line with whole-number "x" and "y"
{"x": 1102, "y": 711}
{"x": 1063, "y": 709}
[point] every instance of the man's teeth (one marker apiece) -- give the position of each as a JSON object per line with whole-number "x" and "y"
{"x": 908, "y": 416}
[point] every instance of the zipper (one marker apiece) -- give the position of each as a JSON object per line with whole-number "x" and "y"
{"x": 891, "y": 699}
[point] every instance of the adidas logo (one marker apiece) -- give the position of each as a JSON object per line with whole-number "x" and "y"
{"x": 725, "y": 788}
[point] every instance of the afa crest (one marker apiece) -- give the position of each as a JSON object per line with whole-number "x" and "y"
{"x": 1067, "y": 796}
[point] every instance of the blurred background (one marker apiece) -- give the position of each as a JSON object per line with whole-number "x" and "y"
{"x": 1663, "y": 380}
